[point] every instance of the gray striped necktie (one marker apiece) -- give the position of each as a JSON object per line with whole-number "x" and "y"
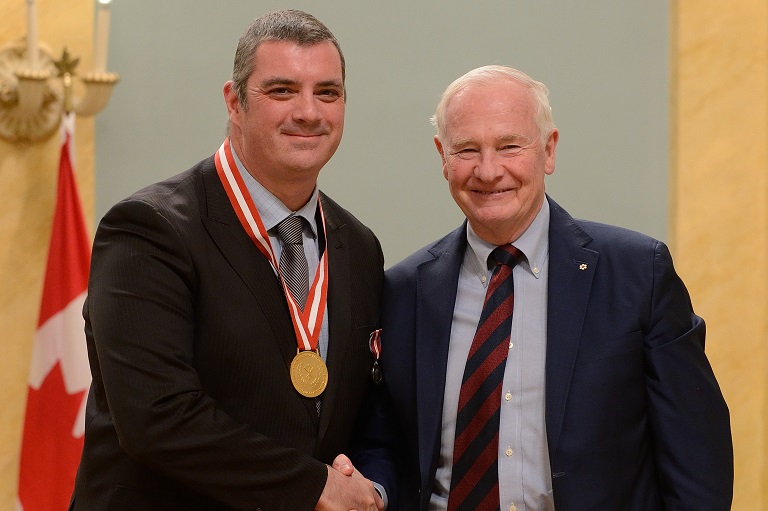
{"x": 293, "y": 261}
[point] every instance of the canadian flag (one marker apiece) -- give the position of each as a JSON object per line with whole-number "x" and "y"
{"x": 59, "y": 375}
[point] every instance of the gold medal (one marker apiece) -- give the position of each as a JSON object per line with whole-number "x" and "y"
{"x": 309, "y": 374}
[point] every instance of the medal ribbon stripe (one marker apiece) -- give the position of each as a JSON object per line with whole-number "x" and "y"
{"x": 315, "y": 311}
{"x": 233, "y": 184}
{"x": 306, "y": 323}
{"x": 374, "y": 343}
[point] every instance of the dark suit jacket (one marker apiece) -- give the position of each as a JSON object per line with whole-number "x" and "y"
{"x": 635, "y": 419}
{"x": 190, "y": 341}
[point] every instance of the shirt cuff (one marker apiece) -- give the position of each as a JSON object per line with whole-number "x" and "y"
{"x": 382, "y": 493}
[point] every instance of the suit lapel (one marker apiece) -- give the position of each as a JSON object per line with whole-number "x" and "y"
{"x": 436, "y": 287}
{"x": 253, "y": 268}
{"x": 571, "y": 270}
{"x": 339, "y": 315}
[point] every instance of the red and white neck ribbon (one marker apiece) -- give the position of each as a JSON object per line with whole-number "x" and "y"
{"x": 306, "y": 323}
{"x": 374, "y": 343}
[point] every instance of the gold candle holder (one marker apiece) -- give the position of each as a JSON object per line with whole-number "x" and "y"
{"x": 32, "y": 100}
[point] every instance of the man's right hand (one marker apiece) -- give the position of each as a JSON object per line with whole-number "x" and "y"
{"x": 346, "y": 492}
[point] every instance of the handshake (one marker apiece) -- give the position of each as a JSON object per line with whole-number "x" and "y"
{"x": 347, "y": 489}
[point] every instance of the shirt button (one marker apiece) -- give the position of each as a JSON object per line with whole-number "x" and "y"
{"x": 536, "y": 271}
{"x": 513, "y": 508}
{"x": 509, "y": 451}
{"x": 483, "y": 279}
{"x": 508, "y": 396}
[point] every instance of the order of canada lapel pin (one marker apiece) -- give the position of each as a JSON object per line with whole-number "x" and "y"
{"x": 583, "y": 266}
{"x": 374, "y": 343}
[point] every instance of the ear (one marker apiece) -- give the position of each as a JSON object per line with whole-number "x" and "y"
{"x": 549, "y": 151}
{"x": 440, "y": 150}
{"x": 230, "y": 98}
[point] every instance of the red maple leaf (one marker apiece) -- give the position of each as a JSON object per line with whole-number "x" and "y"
{"x": 49, "y": 452}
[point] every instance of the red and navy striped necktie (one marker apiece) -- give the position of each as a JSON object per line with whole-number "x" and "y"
{"x": 475, "y": 474}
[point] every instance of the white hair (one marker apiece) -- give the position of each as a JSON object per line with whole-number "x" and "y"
{"x": 494, "y": 73}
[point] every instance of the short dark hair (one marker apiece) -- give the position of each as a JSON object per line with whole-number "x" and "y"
{"x": 285, "y": 25}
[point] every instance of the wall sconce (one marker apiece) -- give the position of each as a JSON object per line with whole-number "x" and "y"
{"x": 35, "y": 89}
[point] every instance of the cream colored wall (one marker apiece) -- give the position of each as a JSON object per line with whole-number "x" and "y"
{"x": 719, "y": 206}
{"x": 28, "y": 176}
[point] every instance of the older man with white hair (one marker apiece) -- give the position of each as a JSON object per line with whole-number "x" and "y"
{"x": 532, "y": 361}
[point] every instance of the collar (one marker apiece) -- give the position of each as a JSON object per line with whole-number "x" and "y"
{"x": 270, "y": 208}
{"x": 533, "y": 243}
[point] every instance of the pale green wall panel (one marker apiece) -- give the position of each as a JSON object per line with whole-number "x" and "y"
{"x": 606, "y": 64}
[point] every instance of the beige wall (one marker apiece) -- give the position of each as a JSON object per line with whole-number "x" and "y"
{"x": 719, "y": 206}
{"x": 28, "y": 177}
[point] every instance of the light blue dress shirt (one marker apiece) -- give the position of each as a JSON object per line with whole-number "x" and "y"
{"x": 525, "y": 481}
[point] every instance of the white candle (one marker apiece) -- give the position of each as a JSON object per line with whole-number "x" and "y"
{"x": 102, "y": 37}
{"x": 32, "y": 49}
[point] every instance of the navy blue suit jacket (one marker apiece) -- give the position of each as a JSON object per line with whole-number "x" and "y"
{"x": 635, "y": 418}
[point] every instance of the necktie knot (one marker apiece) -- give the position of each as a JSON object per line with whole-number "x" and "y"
{"x": 290, "y": 230}
{"x": 505, "y": 254}
{"x": 293, "y": 261}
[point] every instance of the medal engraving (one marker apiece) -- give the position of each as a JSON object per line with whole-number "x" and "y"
{"x": 309, "y": 374}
